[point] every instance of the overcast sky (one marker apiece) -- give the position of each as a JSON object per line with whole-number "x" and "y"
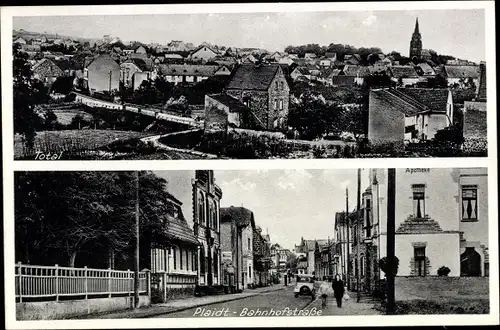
{"x": 289, "y": 204}
{"x": 460, "y": 33}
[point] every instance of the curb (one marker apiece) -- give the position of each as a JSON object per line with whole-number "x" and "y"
{"x": 180, "y": 309}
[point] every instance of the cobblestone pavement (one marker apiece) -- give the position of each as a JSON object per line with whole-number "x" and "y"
{"x": 275, "y": 303}
{"x": 349, "y": 307}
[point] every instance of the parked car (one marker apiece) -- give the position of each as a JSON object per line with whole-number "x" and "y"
{"x": 305, "y": 286}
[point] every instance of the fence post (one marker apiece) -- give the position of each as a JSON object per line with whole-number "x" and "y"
{"x": 86, "y": 282}
{"x": 128, "y": 282}
{"x": 57, "y": 281}
{"x": 148, "y": 283}
{"x": 109, "y": 282}
{"x": 20, "y": 274}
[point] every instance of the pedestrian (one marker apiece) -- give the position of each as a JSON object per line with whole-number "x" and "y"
{"x": 323, "y": 292}
{"x": 338, "y": 289}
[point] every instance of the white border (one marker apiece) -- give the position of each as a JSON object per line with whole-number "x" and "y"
{"x": 9, "y": 165}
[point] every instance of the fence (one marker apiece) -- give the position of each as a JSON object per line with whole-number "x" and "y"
{"x": 48, "y": 282}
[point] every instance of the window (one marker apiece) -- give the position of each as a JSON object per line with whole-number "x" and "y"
{"x": 248, "y": 243}
{"x": 418, "y": 200}
{"x": 180, "y": 258}
{"x": 187, "y": 260}
{"x": 469, "y": 203}
{"x": 276, "y": 83}
{"x": 249, "y": 271}
{"x": 419, "y": 257}
{"x": 216, "y": 263}
{"x": 282, "y": 85}
{"x": 281, "y": 104}
{"x": 276, "y": 104}
{"x": 175, "y": 257}
{"x": 202, "y": 260}
{"x": 201, "y": 209}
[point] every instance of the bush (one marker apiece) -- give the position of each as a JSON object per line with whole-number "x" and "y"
{"x": 387, "y": 267}
{"x": 443, "y": 271}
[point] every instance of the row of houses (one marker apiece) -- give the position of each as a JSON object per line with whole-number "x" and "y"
{"x": 224, "y": 248}
{"x": 246, "y": 250}
{"x": 441, "y": 221}
{"x": 401, "y": 115}
{"x": 405, "y": 75}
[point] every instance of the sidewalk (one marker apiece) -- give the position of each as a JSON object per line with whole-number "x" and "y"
{"x": 349, "y": 307}
{"x": 181, "y": 304}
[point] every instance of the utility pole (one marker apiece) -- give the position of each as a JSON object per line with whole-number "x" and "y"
{"x": 358, "y": 243}
{"x": 391, "y": 241}
{"x": 348, "y": 254}
{"x": 136, "y": 270}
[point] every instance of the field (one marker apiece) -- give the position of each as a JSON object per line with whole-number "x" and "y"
{"x": 64, "y": 117}
{"x": 70, "y": 141}
{"x": 441, "y": 295}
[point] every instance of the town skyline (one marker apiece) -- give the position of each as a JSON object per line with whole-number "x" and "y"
{"x": 279, "y": 199}
{"x": 389, "y": 30}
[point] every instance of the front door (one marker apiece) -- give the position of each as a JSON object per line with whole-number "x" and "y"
{"x": 470, "y": 263}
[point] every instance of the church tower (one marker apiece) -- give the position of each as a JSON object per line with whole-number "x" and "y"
{"x": 416, "y": 43}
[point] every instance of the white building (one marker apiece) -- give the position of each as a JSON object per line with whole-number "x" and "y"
{"x": 441, "y": 220}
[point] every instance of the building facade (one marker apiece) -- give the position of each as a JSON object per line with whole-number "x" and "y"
{"x": 206, "y": 217}
{"x": 173, "y": 262}
{"x": 264, "y": 90}
{"x": 102, "y": 74}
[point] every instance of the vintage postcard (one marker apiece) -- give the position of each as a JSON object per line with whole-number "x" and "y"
{"x": 250, "y": 165}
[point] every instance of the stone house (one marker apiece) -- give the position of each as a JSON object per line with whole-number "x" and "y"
{"x": 101, "y": 73}
{"x": 174, "y": 262}
{"x": 354, "y": 59}
{"x": 398, "y": 115}
{"x": 206, "y": 217}
{"x": 264, "y": 89}
{"x": 47, "y": 71}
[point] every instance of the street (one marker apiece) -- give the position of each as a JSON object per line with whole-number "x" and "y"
{"x": 281, "y": 303}
{"x": 278, "y": 300}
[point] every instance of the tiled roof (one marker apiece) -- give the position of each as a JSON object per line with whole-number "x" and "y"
{"x": 234, "y": 104}
{"x": 178, "y": 229}
{"x": 434, "y": 99}
{"x": 411, "y": 101}
{"x": 141, "y": 64}
{"x": 426, "y": 69}
{"x": 303, "y": 70}
{"x": 462, "y": 71}
{"x": 253, "y": 77}
{"x": 356, "y": 70}
{"x": 240, "y": 215}
{"x": 403, "y": 71}
{"x": 188, "y": 70}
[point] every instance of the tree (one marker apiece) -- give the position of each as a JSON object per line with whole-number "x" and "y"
{"x": 145, "y": 94}
{"x": 355, "y": 121}
{"x": 292, "y": 263}
{"x": 62, "y": 85}
{"x": 61, "y": 215}
{"x": 28, "y": 92}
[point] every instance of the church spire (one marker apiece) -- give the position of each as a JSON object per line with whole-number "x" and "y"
{"x": 416, "y": 26}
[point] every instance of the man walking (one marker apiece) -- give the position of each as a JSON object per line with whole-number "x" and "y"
{"x": 338, "y": 289}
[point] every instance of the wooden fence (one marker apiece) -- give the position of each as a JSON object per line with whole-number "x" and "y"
{"x": 49, "y": 282}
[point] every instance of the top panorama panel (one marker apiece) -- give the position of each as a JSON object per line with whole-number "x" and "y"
{"x": 237, "y": 86}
